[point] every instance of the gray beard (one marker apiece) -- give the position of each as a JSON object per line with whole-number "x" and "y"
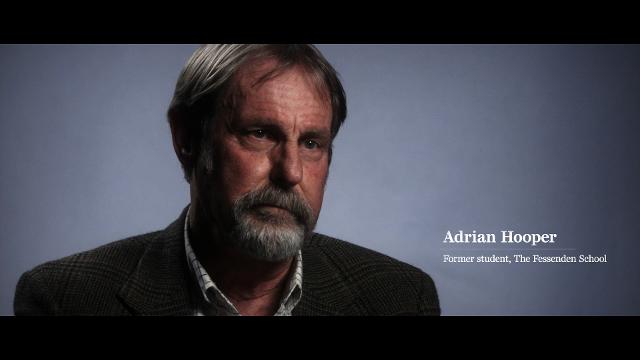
{"x": 267, "y": 241}
{"x": 269, "y": 236}
{"x": 258, "y": 233}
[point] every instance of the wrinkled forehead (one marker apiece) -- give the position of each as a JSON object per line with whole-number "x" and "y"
{"x": 256, "y": 72}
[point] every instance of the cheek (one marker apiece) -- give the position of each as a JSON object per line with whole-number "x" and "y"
{"x": 242, "y": 171}
{"x": 314, "y": 183}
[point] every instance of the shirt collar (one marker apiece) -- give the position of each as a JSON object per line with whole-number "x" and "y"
{"x": 216, "y": 303}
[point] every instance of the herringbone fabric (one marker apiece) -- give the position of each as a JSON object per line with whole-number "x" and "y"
{"x": 148, "y": 275}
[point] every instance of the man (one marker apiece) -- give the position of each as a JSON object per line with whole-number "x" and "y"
{"x": 252, "y": 127}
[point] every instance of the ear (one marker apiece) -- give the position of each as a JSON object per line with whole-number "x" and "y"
{"x": 183, "y": 137}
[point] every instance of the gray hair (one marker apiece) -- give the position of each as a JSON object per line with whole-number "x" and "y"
{"x": 204, "y": 83}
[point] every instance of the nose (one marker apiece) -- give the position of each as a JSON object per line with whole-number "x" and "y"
{"x": 287, "y": 169}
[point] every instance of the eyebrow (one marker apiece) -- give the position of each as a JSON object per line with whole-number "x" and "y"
{"x": 316, "y": 133}
{"x": 272, "y": 125}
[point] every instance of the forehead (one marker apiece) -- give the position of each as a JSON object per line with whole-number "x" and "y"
{"x": 266, "y": 86}
{"x": 253, "y": 75}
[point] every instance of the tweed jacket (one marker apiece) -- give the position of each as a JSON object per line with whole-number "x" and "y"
{"x": 148, "y": 275}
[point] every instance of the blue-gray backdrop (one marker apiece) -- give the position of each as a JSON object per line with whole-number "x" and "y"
{"x": 534, "y": 138}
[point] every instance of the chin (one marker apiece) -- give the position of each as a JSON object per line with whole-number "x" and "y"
{"x": 264, "y": 240}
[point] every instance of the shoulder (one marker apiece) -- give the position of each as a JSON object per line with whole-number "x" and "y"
{"x": 377, "y": 280}
{"x": 358, "y": 261}
{"x": 49, "y": 287}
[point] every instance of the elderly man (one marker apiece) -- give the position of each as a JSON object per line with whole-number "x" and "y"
{"x": 252, "y": 127}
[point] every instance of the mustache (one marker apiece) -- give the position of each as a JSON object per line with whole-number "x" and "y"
{"x": 273, "y": 196}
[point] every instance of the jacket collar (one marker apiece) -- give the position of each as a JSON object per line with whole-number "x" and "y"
{"x": 160, "y": 284}
{"x": 324, "y": 290}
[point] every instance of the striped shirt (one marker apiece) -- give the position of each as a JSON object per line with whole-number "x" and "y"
{"x": 216, "y": 303}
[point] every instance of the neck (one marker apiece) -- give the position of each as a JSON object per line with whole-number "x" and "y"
{"x": 245, "y": 279}
{"x": 253, "y": 286}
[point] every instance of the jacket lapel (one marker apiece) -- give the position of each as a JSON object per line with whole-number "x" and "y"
{"x": 160, "y": 283}
{"x": 324, "y": 291}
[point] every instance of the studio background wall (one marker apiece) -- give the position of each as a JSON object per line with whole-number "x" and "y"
{"x": 532, "y": 138}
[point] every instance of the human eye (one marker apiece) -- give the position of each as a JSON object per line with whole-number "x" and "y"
{"x": 315, "y": 142}
{"x": 257, "y": 133}
{"x": 311, "y": 144}
{"x": 258, "y": 137}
